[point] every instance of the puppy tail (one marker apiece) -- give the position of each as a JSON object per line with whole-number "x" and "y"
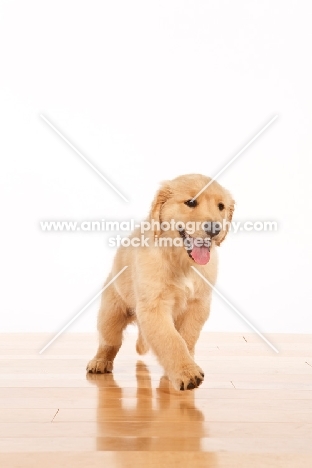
{"x": 141, "y": 345}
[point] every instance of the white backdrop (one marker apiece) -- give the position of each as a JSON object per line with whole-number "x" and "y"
{"x": 148, "y": 91}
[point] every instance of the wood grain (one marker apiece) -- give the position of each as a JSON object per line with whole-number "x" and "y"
{"x": 253, "y": 409}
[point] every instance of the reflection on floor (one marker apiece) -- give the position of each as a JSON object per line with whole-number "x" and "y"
{"x": 254, "y": 408}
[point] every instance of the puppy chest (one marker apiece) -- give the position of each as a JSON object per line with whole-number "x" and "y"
{"x": 184, "y": 291}
{"x": 188, "y": 287}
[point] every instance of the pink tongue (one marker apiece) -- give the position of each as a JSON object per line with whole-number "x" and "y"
{"x": 201, "y": 255}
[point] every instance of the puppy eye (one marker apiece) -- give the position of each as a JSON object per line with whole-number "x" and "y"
{"x": 191, "y": 203}
{"x": 221, "y": 206}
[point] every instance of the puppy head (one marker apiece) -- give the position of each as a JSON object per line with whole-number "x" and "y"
{"x": 199, "y": 222}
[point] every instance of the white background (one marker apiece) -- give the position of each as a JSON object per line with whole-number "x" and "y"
{"x": 148, "y": 91}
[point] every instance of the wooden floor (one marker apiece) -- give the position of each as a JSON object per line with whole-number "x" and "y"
{"x": 254, "y": 408}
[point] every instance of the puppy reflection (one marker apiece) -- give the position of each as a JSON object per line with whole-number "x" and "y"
{"x": 143, "y": 420}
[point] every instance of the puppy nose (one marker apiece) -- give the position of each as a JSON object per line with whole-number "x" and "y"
{"x": 212, "y": 228}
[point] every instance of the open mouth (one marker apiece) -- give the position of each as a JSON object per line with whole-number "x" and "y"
{"x": 198, "y": 249}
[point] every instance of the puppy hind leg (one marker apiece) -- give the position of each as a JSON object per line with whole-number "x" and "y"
{"x": 112, "y": 320}
{"x": 141, "y": 345}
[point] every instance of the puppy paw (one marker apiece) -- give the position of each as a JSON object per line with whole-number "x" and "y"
{"x": 191, "y": 376}
{"x": 99, "y": 366}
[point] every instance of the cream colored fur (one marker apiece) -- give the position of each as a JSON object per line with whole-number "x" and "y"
{"x": 159, "y": 290}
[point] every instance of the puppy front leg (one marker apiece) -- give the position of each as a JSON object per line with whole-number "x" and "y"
{"x": 158, "y": 329}
{"x": 190, "y": 323}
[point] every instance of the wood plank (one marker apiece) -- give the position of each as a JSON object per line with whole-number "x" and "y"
{"x": 69, "y": 382}
{"x": 162, "y": 444}
{"x": 113, "y": 401}
{"x": 92, "y": 397}
{"x": 35, "y": 340}
{"x": 27, "y": 415}
{"x": 157, "y": 428}
{"x": 145, "y": 412}
{"x": 213, "y": 365}
{"x": 238, "y": 381}
{"x": 170, "y": 459}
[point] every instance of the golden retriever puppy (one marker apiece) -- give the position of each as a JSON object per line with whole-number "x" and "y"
{"x": 160, "y": 290}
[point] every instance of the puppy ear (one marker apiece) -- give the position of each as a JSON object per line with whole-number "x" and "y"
{"x": 163, "y": 194}
{"x": 230, "y": 212}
